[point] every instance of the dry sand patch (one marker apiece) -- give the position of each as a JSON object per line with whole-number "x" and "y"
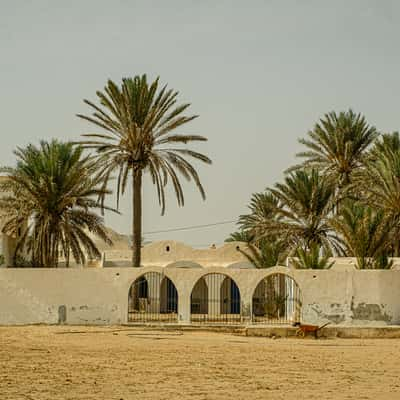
{"x": 42, "y": 362}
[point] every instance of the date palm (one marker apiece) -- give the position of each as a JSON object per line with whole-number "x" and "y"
{"x": 139, "y": 121}
{"x": 263, "y": 206}
{"x": 387, "y": 144}
{"x": 312, "y": 258}
{"x": 269, "y": 250}
{"x": 337, "y": 146}
{"x": 366, "y": 232}
{"x": 380, "y": 182}
{"x": 262, "y": 253}
{"x": 305, "y": 200}
{"x": 240, "y": 236}
{"x": 50, "y": 201}
{"x": 266, "y": 252}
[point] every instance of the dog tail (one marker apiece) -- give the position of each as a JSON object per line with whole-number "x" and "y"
{"x": 324, "y": 325}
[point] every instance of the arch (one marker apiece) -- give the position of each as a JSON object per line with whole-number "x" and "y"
{"x": 276, "y": 300}
{"x": 168, "y": 297}
{"x": 199, "y": 297}
{"x": 152, "y": 297}
{"x": 215, "y": 298}
{"x": 241, "y": 265}
{"x": 184, "y": 264}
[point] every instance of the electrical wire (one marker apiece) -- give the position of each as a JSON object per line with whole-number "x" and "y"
{"x": 186, "y": 228}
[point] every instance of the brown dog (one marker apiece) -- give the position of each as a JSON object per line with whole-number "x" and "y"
{"x": 303, "y": 329}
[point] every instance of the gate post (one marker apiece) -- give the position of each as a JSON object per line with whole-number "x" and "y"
{"x": 183, "y": 305}
{"x": 246, "y": 306}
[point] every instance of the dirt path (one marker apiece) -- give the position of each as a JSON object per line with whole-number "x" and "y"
{"x": 114, "y": 363}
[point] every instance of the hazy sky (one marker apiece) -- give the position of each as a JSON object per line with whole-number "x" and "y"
{"x": 259, "y": 74}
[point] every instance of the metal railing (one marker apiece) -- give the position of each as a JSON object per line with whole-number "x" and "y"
{"x": 153, "y": 297}
{"x": 276, "y": 300}
{"x": 215, "y": 299}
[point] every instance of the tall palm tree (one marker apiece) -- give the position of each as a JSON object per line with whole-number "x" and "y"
{"x": 139, "y": 120}
{"x": 305, "y": 201}
{"x": 337, "y": 146}
{"x": 366, "y": 233}
{"x": 50, "y": 201}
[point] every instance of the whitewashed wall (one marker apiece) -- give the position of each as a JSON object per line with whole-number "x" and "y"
{"x": 100, "y": 295}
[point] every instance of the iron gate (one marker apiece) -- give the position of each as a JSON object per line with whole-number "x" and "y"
{"x": 215, "y": 299}
{"x": 276, "y": 300}
{"x": 153, "y": 297}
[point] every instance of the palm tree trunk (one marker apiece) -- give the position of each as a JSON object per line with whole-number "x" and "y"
{"x": 15, "y": 255}
{"x": 55, "y": 251}
{"x": 67, "y": 258}
{"x": 137, "y": 217}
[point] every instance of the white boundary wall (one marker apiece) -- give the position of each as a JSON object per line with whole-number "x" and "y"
{"x": 100, "y": 295}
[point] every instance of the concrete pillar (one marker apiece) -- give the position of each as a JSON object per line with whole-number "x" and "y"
{"x": 154, "y": 285}
{"x": 246, "y": 297}
{"x": 183, "y": 306}
{"x": 184, "y": 289}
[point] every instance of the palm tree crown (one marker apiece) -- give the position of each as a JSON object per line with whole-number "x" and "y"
{"x": 305, "y": 201}
{"x": 387, "y": 144}
{"x": 365, "y": 231}
{"x": 50, "y": 197}
{"x": 263, "y": 206}
{"x": 262, "y": 250}
{"x": 379, "y": 183}
{"x": 337, "y": 145}
{"x": 312, "y": 258}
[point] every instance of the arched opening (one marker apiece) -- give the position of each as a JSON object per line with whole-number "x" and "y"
{"x": 276, "y": 300}
{"x": 215, "y": 298}
{"x": 199, "y": 298}
{"x": 168, "y": 297}
{"x": 153, "y": 297}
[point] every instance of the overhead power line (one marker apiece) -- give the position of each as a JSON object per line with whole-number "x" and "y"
{"x": 186, "y": 228}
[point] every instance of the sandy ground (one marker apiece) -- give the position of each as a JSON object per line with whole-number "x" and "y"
{"x": 116, "y": 363}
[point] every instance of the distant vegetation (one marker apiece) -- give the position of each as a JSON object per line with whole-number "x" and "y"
{"x": 342, "y": 199}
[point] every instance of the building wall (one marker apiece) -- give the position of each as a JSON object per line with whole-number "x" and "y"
{"x": 166, "y": 252}
{"x": 159, "y": 253}
{"x": 100, "y": 295}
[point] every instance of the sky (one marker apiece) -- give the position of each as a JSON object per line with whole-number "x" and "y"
{"x": 258, "y": 73}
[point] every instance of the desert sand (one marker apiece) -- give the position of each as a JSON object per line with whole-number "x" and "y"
{"x": 110, "y": 363}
